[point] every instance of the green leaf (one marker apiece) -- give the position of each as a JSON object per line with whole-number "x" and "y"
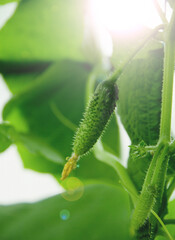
{"x": 102, "y": 213}
{"x": 51, "y": 159}
{"x": 31, "y": 112}
{"x": 44, "y": 30}
{"x": 140, "y": 97}
{"x": 41, "y": 159}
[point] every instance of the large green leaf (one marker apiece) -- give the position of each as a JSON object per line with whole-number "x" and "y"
{"x": 140, "y": 97}
{"x": 44, "y": 30}
{"x": 50, "y": 110}
{"x": 101, "y": 213}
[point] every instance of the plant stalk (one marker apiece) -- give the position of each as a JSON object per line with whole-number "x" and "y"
{"x": 165, "y": 123}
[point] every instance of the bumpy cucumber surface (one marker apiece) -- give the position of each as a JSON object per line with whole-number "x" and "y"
{"x": 96, "y": 117}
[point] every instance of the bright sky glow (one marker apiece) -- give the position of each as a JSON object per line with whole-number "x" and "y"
{"x": 125, "y": 15}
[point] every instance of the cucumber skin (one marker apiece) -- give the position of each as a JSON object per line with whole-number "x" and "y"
{"x": 96, "y": 116}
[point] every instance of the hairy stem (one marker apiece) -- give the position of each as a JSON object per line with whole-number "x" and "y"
{"x": 152, "y": 166}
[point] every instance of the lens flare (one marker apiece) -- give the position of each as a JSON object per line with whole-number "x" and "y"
{"x": 74, "y": 189}
{"x": 64, "y": 214}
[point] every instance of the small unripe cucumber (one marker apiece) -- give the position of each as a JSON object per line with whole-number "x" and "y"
{"x": 96, "y": 117}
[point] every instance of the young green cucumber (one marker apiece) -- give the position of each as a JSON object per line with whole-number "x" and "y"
{"x": 96, "y": 116}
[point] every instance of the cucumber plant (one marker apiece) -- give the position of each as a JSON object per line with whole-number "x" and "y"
{"x": 149, "y": 203}
{"x": 51, "y": 87}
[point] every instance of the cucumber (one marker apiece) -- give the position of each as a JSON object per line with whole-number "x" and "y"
{"x": 96, "y": 116}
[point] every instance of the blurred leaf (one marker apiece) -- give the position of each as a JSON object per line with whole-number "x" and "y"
{"x": 102, "y": 213}
{"x": 44, "y": 30}
{"x": 31, "y": 112}
{"x": 91, "y": 47}
{"x": 20, "y": 76}
{"x": 5, "y": 137}
{"x": 140, "y": 97}
{"x": 35, "y": 146}
{"x": 41, "y": 159}
{"x": 8, "y": 1}
{"x": 53, "y": 85}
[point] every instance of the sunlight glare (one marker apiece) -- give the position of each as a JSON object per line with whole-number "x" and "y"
{"x": 124, "y": 15}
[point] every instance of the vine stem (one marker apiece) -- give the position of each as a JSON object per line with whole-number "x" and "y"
{"x": 167, "y": 91}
